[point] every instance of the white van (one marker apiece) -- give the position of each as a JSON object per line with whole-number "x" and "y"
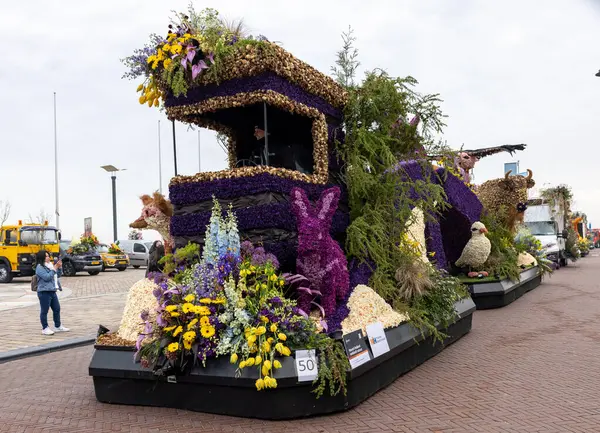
{"x": 137, "y": 252}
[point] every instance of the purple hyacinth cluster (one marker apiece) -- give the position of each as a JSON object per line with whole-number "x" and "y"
{"x": 261, "y": 82}
{"x": 320, "y": 258}
{"x": 257, "y": 255}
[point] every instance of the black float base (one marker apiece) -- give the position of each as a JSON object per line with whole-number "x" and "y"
{"x": 214, "y": 389}
{"x": 497, "y": 294}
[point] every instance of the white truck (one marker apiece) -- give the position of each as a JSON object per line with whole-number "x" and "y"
{"x": 548, "y": 226}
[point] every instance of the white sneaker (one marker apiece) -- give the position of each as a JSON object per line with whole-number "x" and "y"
{"x": 47, "y": 331}
{"x": 62, "y": 329}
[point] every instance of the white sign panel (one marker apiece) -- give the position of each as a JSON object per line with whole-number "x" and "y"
{"x": 306, "y": 365}
{"x": 377, "y": 339}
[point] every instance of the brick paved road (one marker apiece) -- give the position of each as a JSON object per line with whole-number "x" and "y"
{"x": 93, "y": 300}
{"x": 529, "y": 367}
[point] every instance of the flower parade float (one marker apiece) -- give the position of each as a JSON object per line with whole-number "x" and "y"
{"x": 507, "y": 260}
{"x": 314, "y": 271}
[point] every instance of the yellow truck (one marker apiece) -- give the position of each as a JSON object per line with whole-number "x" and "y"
{"x": 18, "y": 245}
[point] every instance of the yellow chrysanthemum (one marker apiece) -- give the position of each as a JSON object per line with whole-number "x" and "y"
{"x": 207, "y": 331}
{"x": 219, "y": 301}
{"x": 205, "y": 301}
{"x": 151, "y": 58}
{"x": 190, "y": 298}
{"x": 187, "y": 345}
{"x": 178, "y": 331}
{"x": 282, "y": 336}
{"x": 187, "y": 307}
{"x": 192, "y": 323}
{"x": 166, "y": 48}
{"x": 233, "y": 358}
{"x": 204, "y": 321}
{"x": 281, "y": 283}
{"x": 173, "y": 347}
{"x": 189, "y": 336}
{"x": 169, "y": 328}
{"x": 202, "y": 310}
{"x": 176, "y": 49}
{"x": 170, "y": 308}
{"x": 276, "y": 364}
{"x": 175, "y": 314}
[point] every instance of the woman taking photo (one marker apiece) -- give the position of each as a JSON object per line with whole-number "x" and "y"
{"x": 48, "y": 283}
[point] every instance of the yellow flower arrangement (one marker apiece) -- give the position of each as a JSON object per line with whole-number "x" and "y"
{"x": 207, "y": 331}
{"x": 173, "y": 347}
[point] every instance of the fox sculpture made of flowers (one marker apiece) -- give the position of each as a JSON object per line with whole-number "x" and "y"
{"x": 156, "y": 215}
{"x": 320, "y": 258}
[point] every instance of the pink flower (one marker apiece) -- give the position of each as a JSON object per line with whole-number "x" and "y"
{"x": 197, "y": 69}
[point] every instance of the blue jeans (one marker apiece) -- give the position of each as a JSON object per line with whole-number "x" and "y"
{"x": 49, "y": 300}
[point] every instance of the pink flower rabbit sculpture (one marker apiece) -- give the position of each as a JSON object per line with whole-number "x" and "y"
{"x": 320, "y": 258}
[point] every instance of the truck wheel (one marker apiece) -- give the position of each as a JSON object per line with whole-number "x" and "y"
{"x": 93, "y": 272}
{"x": 5, "y": 274}
{"x": 136, "y": 266}
{"x": 563, "y": 261}
{"x": 121, "y": 269}
{"x": 68, "y": 269}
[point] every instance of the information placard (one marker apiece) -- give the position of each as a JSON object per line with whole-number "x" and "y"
{"x": 377, "y": 339}
{"x": 356, "y": 348}
{"x": 306, "y": 365}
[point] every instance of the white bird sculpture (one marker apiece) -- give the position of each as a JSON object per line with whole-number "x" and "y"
{"x": 477, "y": 250}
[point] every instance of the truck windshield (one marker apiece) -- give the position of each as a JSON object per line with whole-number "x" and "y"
{"x": 541, "y": 228}
{"x": 39, "y": 236}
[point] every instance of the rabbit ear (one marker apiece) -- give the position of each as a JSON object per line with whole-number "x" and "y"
{"x": 300, "y": 203}
{"x": 328, "y": 203}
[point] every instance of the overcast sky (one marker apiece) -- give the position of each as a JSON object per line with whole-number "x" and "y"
{"x": 509, "y": 72}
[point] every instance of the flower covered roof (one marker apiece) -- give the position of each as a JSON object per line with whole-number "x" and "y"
{"x": 213, "y": 74}
{"x": 200, "y": 55}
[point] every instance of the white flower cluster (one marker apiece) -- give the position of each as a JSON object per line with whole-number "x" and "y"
{"x": 237, "y": 319}
{"x": 367, "y": 307}
{"x": 139, "y": 298}
{"x": 415, "y": 231}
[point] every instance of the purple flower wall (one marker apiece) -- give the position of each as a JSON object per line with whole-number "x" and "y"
{"x": 265, "y": 81}
{"x": 270, "y": 216}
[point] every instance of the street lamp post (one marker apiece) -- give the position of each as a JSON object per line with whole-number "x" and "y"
{"x": 112, "y": 170}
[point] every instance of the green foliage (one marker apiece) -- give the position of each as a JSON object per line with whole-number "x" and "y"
{"x": 380, "y": 198}
{"x": 503, "y": 259}
{"x": 183, "y": 257}
{"x": 527, "y": 243}
{"x": 572, "y": 243}
{"x": 559, "y": 198}
{"x": 333, "y": 366}
{"x": 436, "y": 308}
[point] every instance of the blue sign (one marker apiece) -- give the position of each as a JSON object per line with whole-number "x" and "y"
{"x": 513, "y": 167}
